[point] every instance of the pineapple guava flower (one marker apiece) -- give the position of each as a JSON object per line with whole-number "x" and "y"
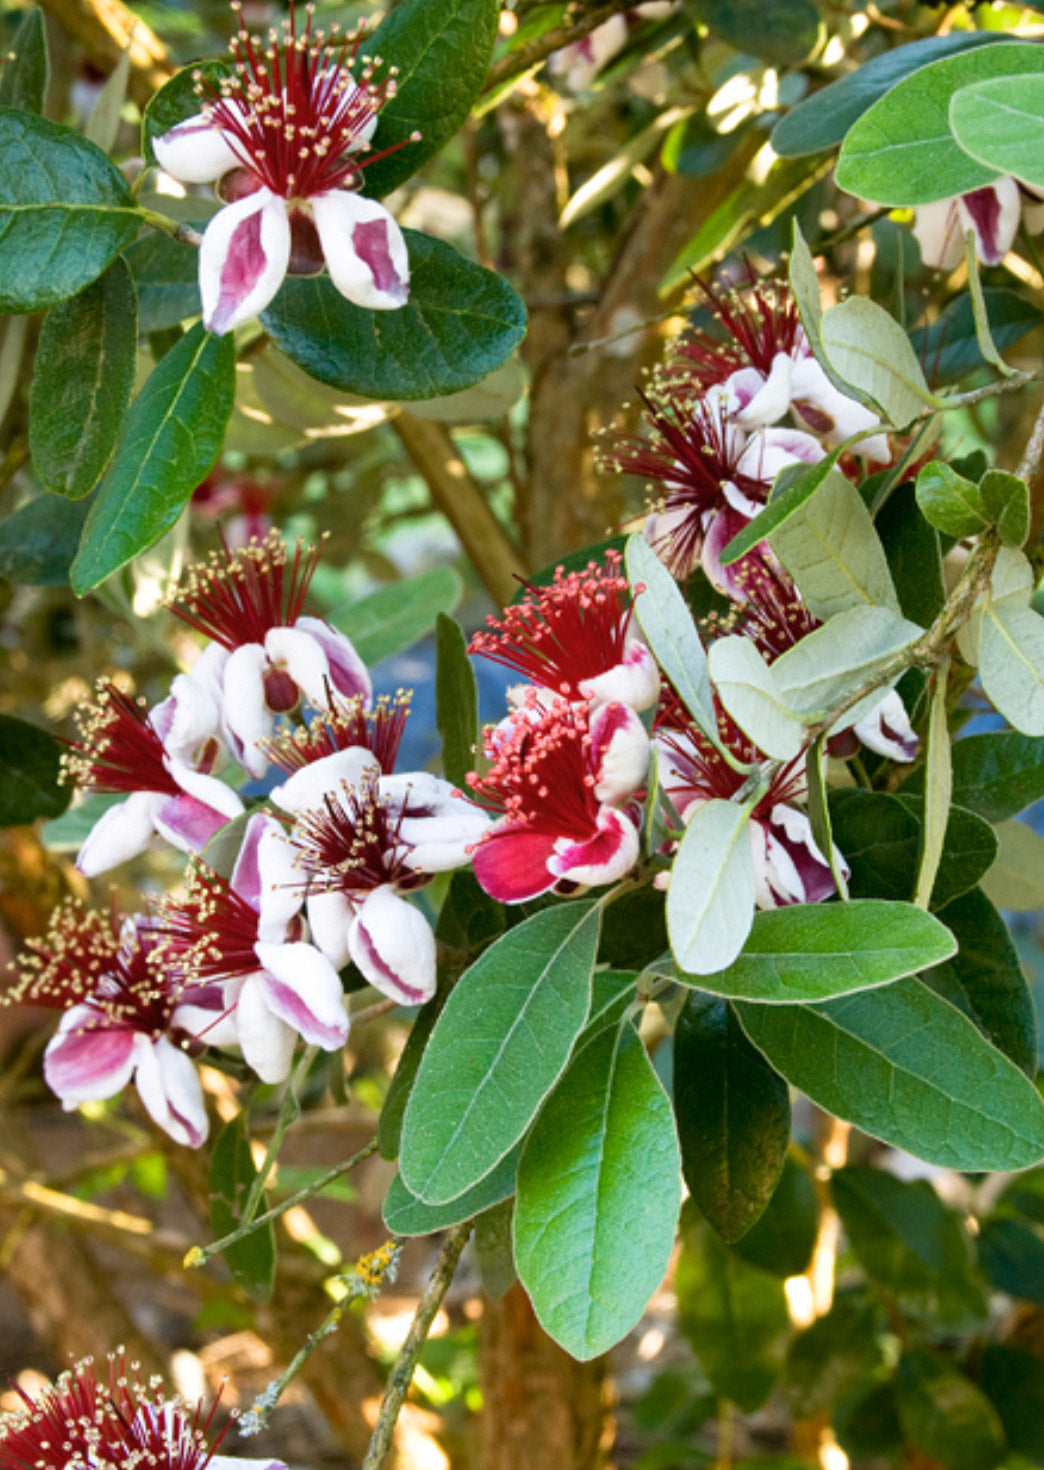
{"x": 83, "y": 1422}
{"x": 266, "y": 655}
{"x": 992, "y": 213}
{"x": 285, "y": 139}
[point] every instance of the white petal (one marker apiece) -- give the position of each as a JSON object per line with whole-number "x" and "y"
{"x": 300, "y": 655}
{"x": 392, "y": 944}
{"x": 992, "y": 214}
{"x": 87, "y": 1058}
{"x": 772, "y": 400}
{"x": 634, "y": 681}
{"x": 622, "y": 745}
{"x": 210, "y": 790}
{"x": 243, "y": 703}
{"x": 887, "y": 730}
{"x": 937, "y": 230}
{"x": 243, "y": 259}
{"x": 195, "y": 151}
{"x": 169, "y": 1086}
{"x": 304, "y": 990}
{"x": 364, "y": 249}
{"x": 307, "y": 787}
{"x": 119, "y": 834}
{"x": 348, "y": 673}
{"x": 267, "y": 1042}
{"x": 186, "y": 719}
{"x": 330, "y": 917}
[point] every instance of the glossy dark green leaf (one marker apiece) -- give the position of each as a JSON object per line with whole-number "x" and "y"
{"x": 985, "y": 979}
{"x": 29, "y": 759}
{"x": 385, "y": 622}
{"x": 1012, "y": 1255}
{"x": 497, "y": 1049}
{"x": 914, "y": 556}
{"x": 907, "y": 1240}
{"x": 460, "y": 323}
{"x": 166, "y": 278}
{"x": 82, "y": 383}
{"x": 828, "y": 1360}
{"x": 1007, "y": 501}
{"x": 996, "y": 775}
{"x": 783, "y": 1239}
{"x": 456, "y": 700}
{"x": 441, "y": 49}
{"x": 733, "y": 1115}
{"x": 781, "y": 32}
{"x": 734, "y": 1315}
{"x": 908, "y": 1068}
{"x": 168, "y": 444}
{"x": 950, "y": 502}
{"x": 38, "y": 541}
{"x": 176, "y": 100}
{"x": 251, "y": 1260}
{"x": 949, "y": 347}
{"x": 65, "y": 211}
{"x": 811, "y": 952}
{"x": 902, "y": 150}
{"x": 634, "y": 930}
{"x": 822, "y": 120}
{"x": 405, "y": 1214}
{"x": 1013, "y": 1381}
{"x": 599, "y": 1188}
{"x": 945, "y": 1416}
{"x": 25, "y": 69}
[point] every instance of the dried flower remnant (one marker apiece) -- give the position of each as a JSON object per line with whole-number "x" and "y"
{"x": 129, "y": 1012}
{"x": 576, "y": 637}
{"x": 285, "y": 139}
{"x": 163, "y": 761}
{"x": 83, "y": 1422}
{"x": 265, "y": 653}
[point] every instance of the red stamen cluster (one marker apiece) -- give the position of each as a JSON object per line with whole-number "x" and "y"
{"x": 210, "y": 932}
{"x": 757, "y": 320}
{"x": 118, "y": 749}
{"x": 572, "y": 630}
{"x": 541, "y": 772}
{"x": 347, "y": 723}
{"x": 79, "y": 1423}
{"x": 772, "y": 616}
{"x": 353, "y": 843}
{"x": 293, "y": 111}
{"x": 702, "y": 773}
{"x": 237, "y": 597}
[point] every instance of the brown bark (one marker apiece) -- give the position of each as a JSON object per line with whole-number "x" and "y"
{"x": 541, "y": 1410}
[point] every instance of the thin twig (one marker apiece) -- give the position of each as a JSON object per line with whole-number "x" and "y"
{"x": 371, "y": 1013}
{"x": 1030, "y": 461}
{"x": 289, "y": 1109}
{"x": 538, "y": 50}
{"x": 401, "y": 1375}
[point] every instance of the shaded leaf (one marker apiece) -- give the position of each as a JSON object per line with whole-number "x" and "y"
{"x": 26, "y": 67}
{"x": 1014, "y": 1382}
{"x": 395, "y": 617}
{"x": 996, "y": 775}
{"x": 830, "y": 1358}
{"x": 949, "y": 348}
{"x": 251, "y": 1260}
{"x": 30, "y": 759}
{"x": 405, "y": 1214}
{"x": 456, "y": 700}
{"x": 945, "y": 1416}
{"x": 781, "y": 32}
{"x": 1012, "y": 1255}
{"x": 914, "y": 557}
{"x": 166, "y": 278}
{"x": 38, "y": 541}
{"x": 783, "y": 1239}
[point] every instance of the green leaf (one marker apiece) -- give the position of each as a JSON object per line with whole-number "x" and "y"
{"x": 829, "y": 1359}
{"x": 833, "y": 661}
{"x": 494, "y": 1252}
{"x": 65, "y": 211}
{"x": 996, "y": 775}
{"x": 830, "y": 548}
{"x": 949, "y": 345}
{"x": 812, "y": 952}
{"x": 822, "y": 120}
{"x": 469, "y": 919}
{"x": 734, "y": 1315}
{"x": 498, "y": 1048}
{"x": 867, "y": 1422}
{"x": 908, "y": 1068}
{"x": 783, "y": 1240}
{"x": 395, "y": 617}
{"x": 1014, "y": 1382}
{"x": 177, "y": 100}
{"x": 68, "y": 832}
{"x": 251, "y": 1260}
{"x": 1012, "y": 1255}
{"x": 945, "y": 1416}
{"x": 25, "y": 70}
{"x": 794, "y": 484}
{"x": 710, "y": 903}
{"x": 733, "y": 1115}
{"x": 902, "y": 150}
{"x": 781, "y": 32}
{"x": 670, "y": 632}
{"x": 1011, "y": 664}
{"x": 1016, "y": 880}
{"x": 82, "y": 383}
{"x": 166, "y": 278}
{"x": 612, "y": 994}
{"x": 460, "y": 323}
{"x": 634, "y": 930}
{"x": 169, "y": 442}
{"x": 914, "y": 556}
{"x": 938, "y": 788}
{"x": 39, "y": 540}
{"x": 950, "y": 502}
{"x": 405, "y": 1214}
{"x": 456, "y": 700}
{"x": 748, "y": 688}
{"x": 441, "y": 50}
{"x": 870, "y": 350}
{"x": 1000, "y": 123}
{"x": 1007, "y": 499}
{"x": 103, "y": 124}
{"x": 984, "y": 979}
{"x": 389, "y": 1125}
{"x": 906, "y": 1240}
{"x": 31, "y": 787}
{"x": 599, "y": 1188}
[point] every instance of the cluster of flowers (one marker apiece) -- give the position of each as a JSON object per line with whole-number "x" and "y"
{"x": 81, "y": 1422}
